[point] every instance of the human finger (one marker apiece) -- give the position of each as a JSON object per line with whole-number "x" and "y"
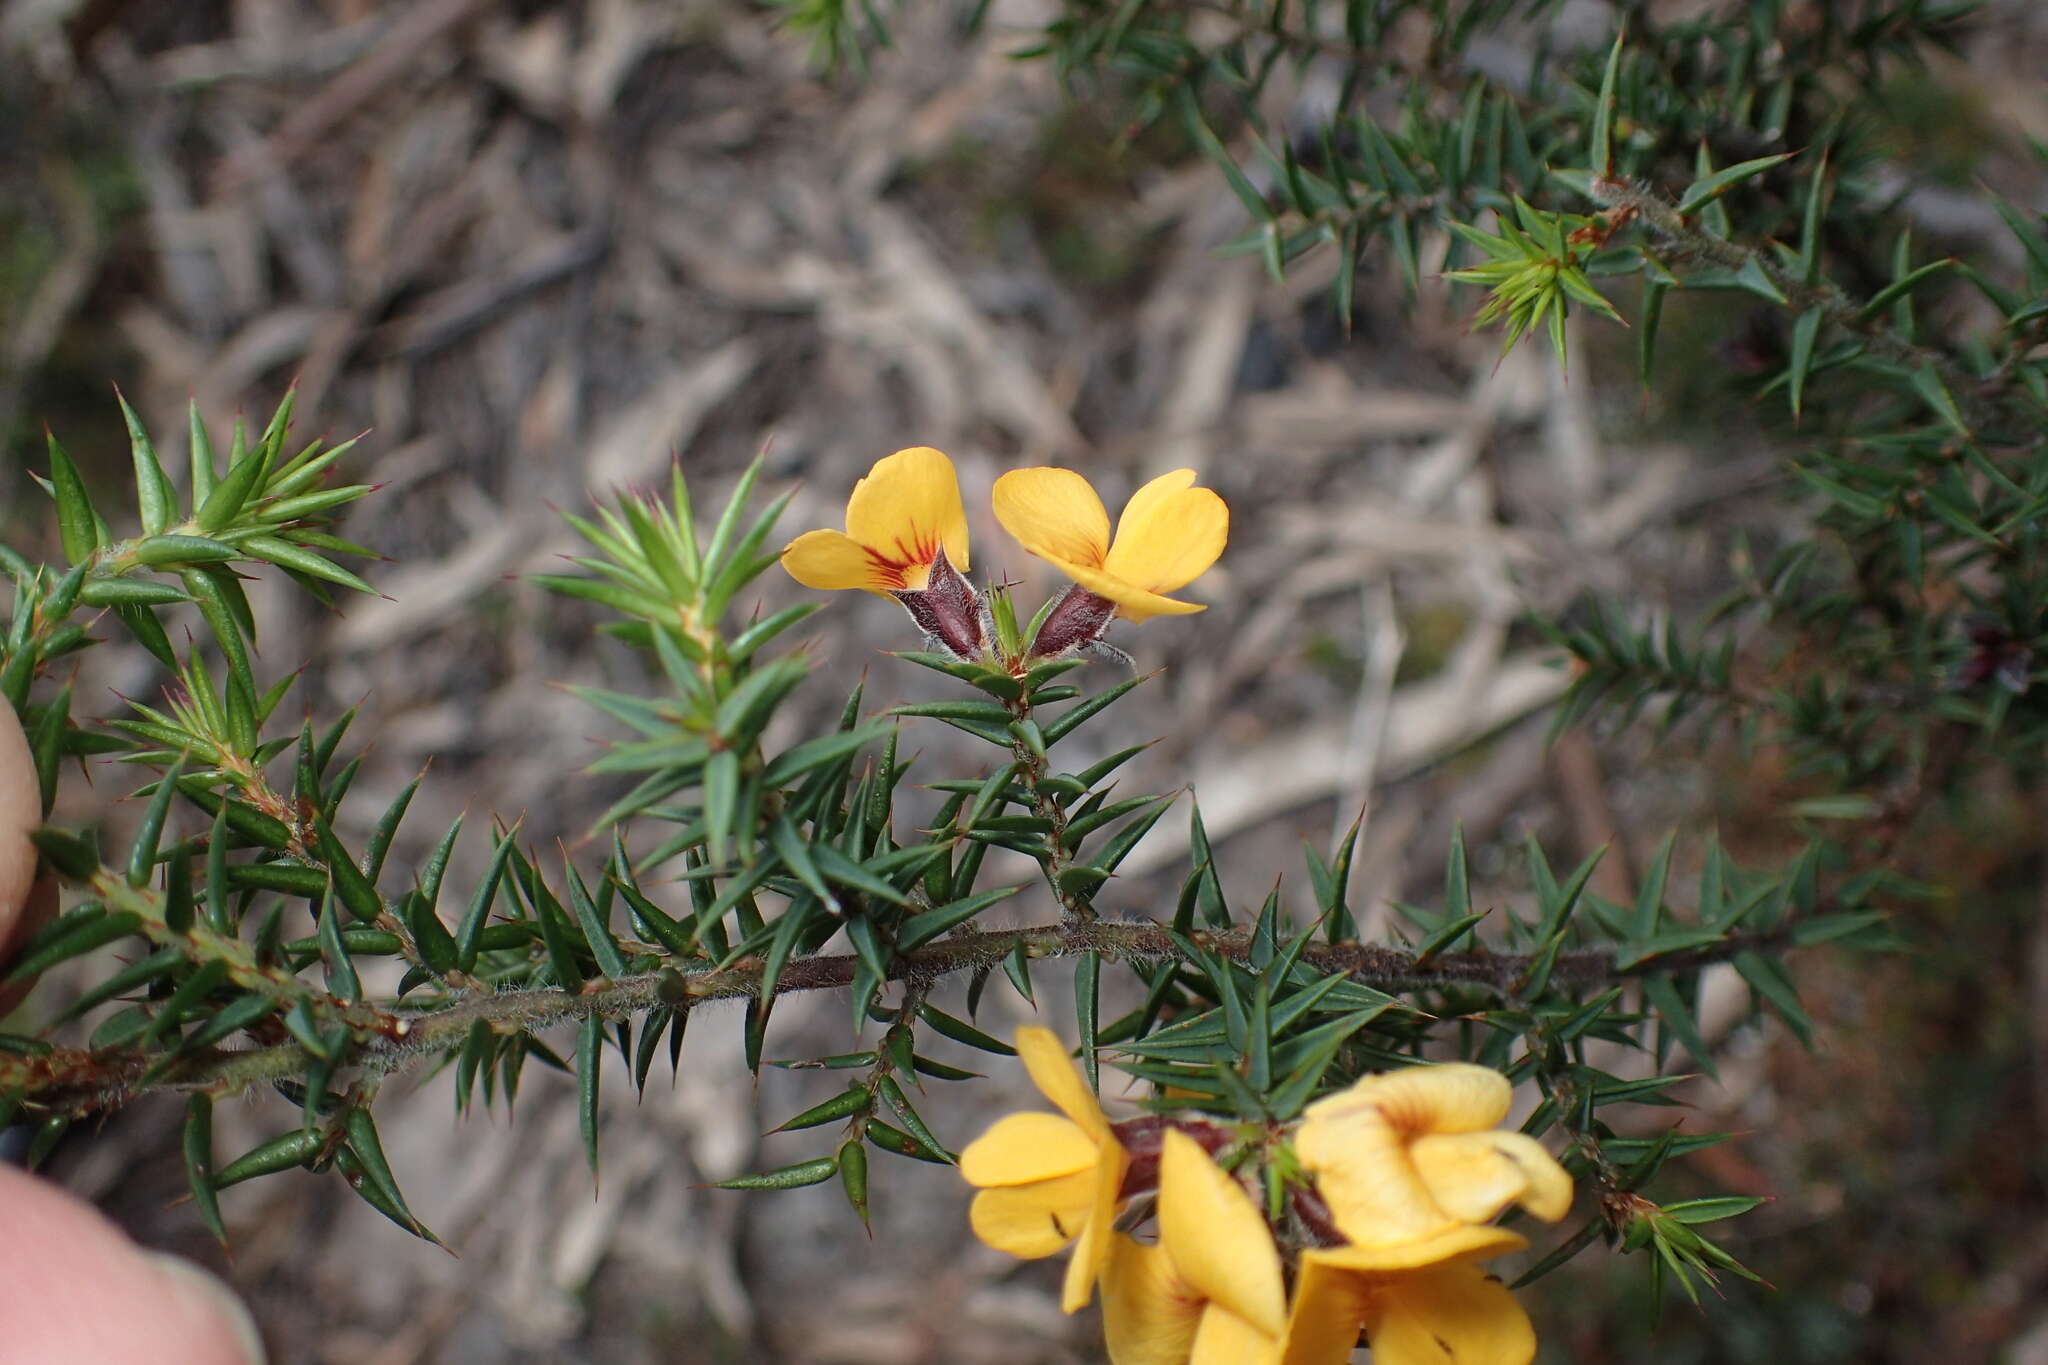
{"x": 73, "y": 1287}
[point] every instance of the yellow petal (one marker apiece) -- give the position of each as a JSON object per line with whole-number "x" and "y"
{"x": 1139, "y": 507}
{"x": 1329, "y": 1306}
{"x": 1059, "y": 1080}
{"x": 1454, "y": 1097}
{"x": 1473, "y": 1176}
{"x": 1034, "y": 1220}
{"x": 1169, "y": 533}
{"x": 1219, "y": 1242}
{"x": 1026, "y": 1147}
{"x": 1224, "y": 1338}
{"x": 1361, "y": 1168}
{"x": 908, "y": 506}
{"x": 1133, "y": 603}
{"x": 1148, "y": 1315}
{"x": 1460, "y": 1242}
{"x": 1054, "y": 514}
{"x": 1091, "y": 1251}
{"x": 1458, "y": 1315}
{"x": 830, "y": 560}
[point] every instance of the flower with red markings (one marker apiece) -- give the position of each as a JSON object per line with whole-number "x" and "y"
{"x": 906, "y": 539}
{"x": 1169, "y": 534}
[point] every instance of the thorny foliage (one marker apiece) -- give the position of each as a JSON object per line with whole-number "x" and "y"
{"x": 1889, "y": 652}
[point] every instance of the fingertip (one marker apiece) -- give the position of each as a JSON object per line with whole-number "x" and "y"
{"x": 74, "y": 1287}
{"x": 21, "y": 810}
{"x": 38, "y": 909}
{"x": 219, "y": 1323}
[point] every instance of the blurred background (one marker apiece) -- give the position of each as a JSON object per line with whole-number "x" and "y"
{"x": 539, "y": 250}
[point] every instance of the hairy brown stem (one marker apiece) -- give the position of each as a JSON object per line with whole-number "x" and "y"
{"x": 80, "y": 1082}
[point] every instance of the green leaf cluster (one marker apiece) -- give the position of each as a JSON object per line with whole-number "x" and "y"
{"x": 253, "y": 920}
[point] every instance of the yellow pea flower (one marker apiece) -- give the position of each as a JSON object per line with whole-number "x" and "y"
{"x": 1209, "y": 1291}
{"x": 1411, "y": 1158}
{"x": 1417, "y": 1306}
{"x": 906, "y": 539}
{"x": 1169, "y": 534}
{"x": 898, "y": 521}
{"x": 1048, "y": 1181}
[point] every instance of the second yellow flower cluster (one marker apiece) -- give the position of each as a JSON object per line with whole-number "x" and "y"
{"x": 906, "y": 537}
{"x": 1405, "y": 1169}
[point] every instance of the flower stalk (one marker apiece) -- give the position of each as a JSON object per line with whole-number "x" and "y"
{"x": 1032, "y": 771}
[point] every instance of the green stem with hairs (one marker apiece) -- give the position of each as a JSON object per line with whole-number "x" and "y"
{"x": 1031, "y": 772}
